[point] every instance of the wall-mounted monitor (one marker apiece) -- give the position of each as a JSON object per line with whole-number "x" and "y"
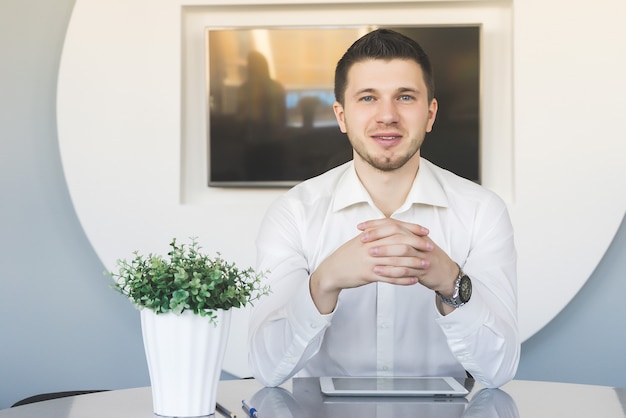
{"x": 270, "y": 96}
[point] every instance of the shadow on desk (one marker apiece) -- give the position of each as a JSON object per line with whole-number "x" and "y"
{"x": 306, "y": 401}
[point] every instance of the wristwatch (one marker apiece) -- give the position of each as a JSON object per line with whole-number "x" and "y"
{"x": 462, "y": 291}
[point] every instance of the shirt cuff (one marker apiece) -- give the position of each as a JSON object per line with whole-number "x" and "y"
{"x": 306, "y": 321}
{"x": 464, "y": 320}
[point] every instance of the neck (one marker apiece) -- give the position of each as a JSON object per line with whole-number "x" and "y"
{"x": 388, "y": 189}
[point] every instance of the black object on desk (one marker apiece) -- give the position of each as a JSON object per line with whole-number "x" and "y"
{"x": 54, "y": 395}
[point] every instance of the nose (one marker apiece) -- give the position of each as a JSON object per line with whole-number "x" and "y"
{"x": 386, "y": 111}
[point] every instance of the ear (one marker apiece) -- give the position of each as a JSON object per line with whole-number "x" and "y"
{"x": 432, "y": 114}
{"x": 339, "y": 115}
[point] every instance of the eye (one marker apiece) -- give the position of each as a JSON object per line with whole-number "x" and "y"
{"x": 367, "y": 99}
{"x": 406, "y": 98}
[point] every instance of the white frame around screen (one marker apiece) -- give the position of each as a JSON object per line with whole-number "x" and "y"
{"x": 496, "y": 147}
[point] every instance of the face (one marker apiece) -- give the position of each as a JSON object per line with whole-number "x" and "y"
{"x": 386, "y": 112}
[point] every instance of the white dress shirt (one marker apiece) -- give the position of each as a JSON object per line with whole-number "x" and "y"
{"x": 381, "y": 329}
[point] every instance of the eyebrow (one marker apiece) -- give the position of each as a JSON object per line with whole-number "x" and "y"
{"x": 408, "y": 90}
{"x": 398, "y": 90}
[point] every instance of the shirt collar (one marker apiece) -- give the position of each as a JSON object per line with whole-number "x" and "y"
{"x": 426, "y": 189}
{"x": 349, "y": 190}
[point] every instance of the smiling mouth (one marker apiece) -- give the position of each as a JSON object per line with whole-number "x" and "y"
{"x": 387, "y": 137}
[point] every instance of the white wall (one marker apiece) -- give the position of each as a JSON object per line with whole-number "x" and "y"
{"x": 62, "y": 328}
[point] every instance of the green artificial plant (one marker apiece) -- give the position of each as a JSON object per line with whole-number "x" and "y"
{"x": 187, "y": 280}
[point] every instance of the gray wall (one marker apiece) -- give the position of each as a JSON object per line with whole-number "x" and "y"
{"x": 62, "y": 328}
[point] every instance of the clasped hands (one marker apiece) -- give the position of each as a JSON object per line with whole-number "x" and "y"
{"x": 386, "y": 250}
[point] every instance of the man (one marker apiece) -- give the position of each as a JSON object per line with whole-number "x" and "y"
{"x": 387, "y": 265}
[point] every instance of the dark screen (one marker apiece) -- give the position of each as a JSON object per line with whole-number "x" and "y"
{"x": 271, "y": 93}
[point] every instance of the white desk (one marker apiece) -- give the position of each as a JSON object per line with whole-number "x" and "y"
{"x": 301, "y": 398}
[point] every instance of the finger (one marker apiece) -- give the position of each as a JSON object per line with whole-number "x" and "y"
{"x": 412, "y": 248}
{"x": 399, "y": 271}
{"x": 378, "y": 223}
{"x": 400, "y": 281}
{"x": 387, "y": 231}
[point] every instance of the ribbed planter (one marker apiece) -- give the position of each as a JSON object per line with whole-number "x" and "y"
{"x": 184, "y": 354}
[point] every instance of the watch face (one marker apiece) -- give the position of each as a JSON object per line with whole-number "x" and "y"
{"x": 465, "y": 289}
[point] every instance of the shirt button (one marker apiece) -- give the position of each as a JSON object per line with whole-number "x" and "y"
{"x": 312, "y": 325}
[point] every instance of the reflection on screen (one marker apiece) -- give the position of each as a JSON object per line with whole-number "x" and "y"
{"x": 391, "y": 384}
{"x": 271, "y": 90}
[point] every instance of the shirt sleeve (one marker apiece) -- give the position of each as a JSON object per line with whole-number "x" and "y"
{"x": 483, "y": 334}
{"x": 286, "y": 329}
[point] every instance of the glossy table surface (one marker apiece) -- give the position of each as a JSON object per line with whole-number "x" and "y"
{"x": 302, "y": 398}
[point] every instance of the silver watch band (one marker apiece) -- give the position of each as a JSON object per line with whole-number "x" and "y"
{"x": 455, "y": 300}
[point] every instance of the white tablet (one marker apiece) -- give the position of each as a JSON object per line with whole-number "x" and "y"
{"x": 392, "y": 386}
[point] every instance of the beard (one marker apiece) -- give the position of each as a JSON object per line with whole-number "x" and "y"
{"x": 384, "y": 163}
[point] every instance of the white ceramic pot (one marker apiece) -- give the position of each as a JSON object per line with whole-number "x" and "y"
{"x": 185, "y": 354}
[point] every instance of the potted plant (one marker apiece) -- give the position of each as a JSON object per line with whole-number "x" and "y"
{"x": 185, "y": 301}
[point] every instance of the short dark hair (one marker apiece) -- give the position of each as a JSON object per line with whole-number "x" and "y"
{"x": 382, "y": 44}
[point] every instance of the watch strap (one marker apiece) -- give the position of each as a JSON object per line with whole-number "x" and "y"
{"x": 454, "y": 301}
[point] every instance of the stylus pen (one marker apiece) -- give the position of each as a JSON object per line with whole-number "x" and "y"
{"x": 249, "y": 410}
{"x": 225, "y": 411}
